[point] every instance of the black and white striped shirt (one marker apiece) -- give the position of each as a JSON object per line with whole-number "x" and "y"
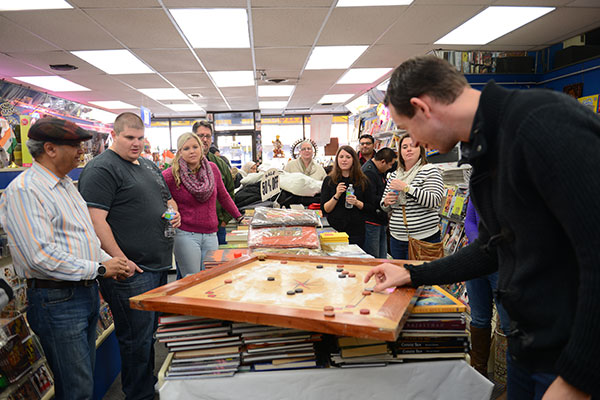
{"x": 423, "y": 202}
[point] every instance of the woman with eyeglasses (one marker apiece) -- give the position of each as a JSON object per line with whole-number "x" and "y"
{"x": 346, "y": 212}
{"x": 305, "y": 163}
{"x": 195, "y": 184}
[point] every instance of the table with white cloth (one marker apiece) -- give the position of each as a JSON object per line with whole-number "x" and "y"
{"x": 449, "y": 379}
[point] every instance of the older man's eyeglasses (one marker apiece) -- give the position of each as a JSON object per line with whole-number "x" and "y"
{"x": 204, "y": 136}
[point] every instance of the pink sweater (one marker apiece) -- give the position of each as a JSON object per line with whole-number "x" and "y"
{"x": 200, "y": 217}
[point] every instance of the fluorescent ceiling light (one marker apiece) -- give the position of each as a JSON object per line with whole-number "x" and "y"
{"x": 214, "y": 28}
{"x": 275, "y": 91}
{"x": 233, "y": 78}
{"x": 185, "y": 107}
{"x": 335, "y": 98}
{"x": 114, "y": 62}
{"x": 272, "y": 105}
{"x": 362, "y": 75}
{"x": 112, "y": 104}
{"x": 372, "y": 3}
{"x": 33, "y": 5}
{"x": 164, "y": 94}
{"x": 492, "y": 23}
{"x": 53, "y": 83}
{"x": 334, "y": 57}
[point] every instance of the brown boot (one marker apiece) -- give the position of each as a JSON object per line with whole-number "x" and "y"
{"x": 480, "y": 348}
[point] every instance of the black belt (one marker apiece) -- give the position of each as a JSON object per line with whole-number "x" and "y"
{"x": 49, "y": 284}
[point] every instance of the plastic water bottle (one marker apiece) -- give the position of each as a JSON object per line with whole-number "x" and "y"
{"x": 169, "y": 215}
{"x": 349, "y": 192}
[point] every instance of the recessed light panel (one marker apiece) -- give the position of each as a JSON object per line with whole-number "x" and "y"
{"x": 214, "y": 28}
{"x": 114, "y": 62}
{"x": 272, "y": 105}
{"x": 164, "y": 94}
{"x": 492, "y": 23}
{"x": 275, "y": 91}
{"x": 112, "y": 104}
{"x": 233, "y": 78}
{"x": 362, "y": 75}
{"x": 52, "y": 83}
{"x": 7, "y": 5}
{"x": 335, "y": 98}
{"x": 372, "y": 3}
{"x": 334, "y": 57}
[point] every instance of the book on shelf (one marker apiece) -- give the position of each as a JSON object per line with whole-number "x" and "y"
{"x": 435, "y": 324}
{"x": 204, "y": 365}
{"x": 254, "y": 349}
{"x": 429, "y": 341}
{"x": 193, "y": 346}
{"x": 16, "y": 325}
{"x": 196, "y": 373}
{"x": 17, "y": 357}
{"x": 201, "y": 376}
{"x": 250, "y": 358}
{"x": 201, "y": 359}
{"x": 180, "y": 327}
{"x": 347, "y": 341}
{"x": 371, "y": 350}
{"x": 273, "y": 365}
{"x": 181, "y": 319}
{"x": 431, "y": 350}
{"x": 430, "y": 356}
{"x": 189, "y": 332}
{"x": 223, "y": 352}
{"x": 434, "y": 299}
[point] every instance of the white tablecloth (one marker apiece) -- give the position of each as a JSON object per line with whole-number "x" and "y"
{"x": 450, "y": 380}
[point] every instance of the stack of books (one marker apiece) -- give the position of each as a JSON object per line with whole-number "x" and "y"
{"x": 332, "y": 239}
{"x": 358, "y": 352}
{"x": 202, "y": 347}
{"x": 268, "y": 348}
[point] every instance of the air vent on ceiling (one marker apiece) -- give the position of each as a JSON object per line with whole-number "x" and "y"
{"x": 63, "y": 67}
{"x": 276, "y": 80}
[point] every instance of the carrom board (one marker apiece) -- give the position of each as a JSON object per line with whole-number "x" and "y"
{"x": 240, "y": 290}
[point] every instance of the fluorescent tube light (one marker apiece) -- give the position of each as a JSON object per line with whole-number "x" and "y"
{"x": 372, "y": 3}
{"x": 214, "y": 28}
{"x": 112, "y": 104}
{"x": 335, "y": 98}
{"x": 114, "y": 62}
{"x": 52, "y": 83}
{"x": 492, "y": 23}
{"x": 233, "y": 78}
{"x": 334, "y": 57}
{"x": 272, "y": 105}
{"x": 362, "y": 75}
{"x": 33, "y": 5}
{"x": 185, "y": 107}
{"x": 164, "y": 93}
{"x": 275, "y": 91}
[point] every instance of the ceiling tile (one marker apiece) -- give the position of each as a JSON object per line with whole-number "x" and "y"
{"x": 205, "y": 3}
{"x": 153, "y": 29}
{"x": 287, "y": 58}
{"x": 167, "y": 60}
{"x": 67, "y": 29}
{"x": 43, "y": 60}
{"x": 226, "y": 59}
{"x": 189, "y": 80}
{"x": 143, "y": 81}
{"x": 291, "y": 3}
{"x": 248, "y": 91}
{"x": 391, "y": 55}
{"x": 358, "y": 25}
{"x": 113, "y": 3}
{"x": 10, "y": 66}
{"x": 16, "y": 38}
{"x": 286, "y": 27}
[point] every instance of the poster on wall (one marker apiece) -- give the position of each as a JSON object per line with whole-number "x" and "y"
{"x": 25, "y": 124}
{"x": 590, "y": 102}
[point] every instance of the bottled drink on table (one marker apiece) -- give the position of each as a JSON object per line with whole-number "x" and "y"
{"x": 349, "y": 192}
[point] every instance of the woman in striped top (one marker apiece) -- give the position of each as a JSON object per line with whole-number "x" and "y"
{"x": 419, "y": 187}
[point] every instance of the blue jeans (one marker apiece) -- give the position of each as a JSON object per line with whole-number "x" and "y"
{"x": 65, "y": 321}
{"x": 222, "y": 235}
{"x": 524, "y": 384}
{"x": 376, "y": 240}
{"x": 135, "y": 331}
{"x": 190, "y": 249}
{"x": 399, "y": 248}
{"x": 481, "y": 294}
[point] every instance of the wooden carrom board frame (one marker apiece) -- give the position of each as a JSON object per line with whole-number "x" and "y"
{"x": 388, "y": 311}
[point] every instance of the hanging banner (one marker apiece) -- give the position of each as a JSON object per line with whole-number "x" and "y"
{"x": 590, "y": 102}
{"x": 25, "y": 124}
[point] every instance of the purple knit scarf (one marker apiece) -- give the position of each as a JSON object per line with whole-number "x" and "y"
{"x": 201, "y": 184}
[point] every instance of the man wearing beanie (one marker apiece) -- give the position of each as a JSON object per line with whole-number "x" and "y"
{"x": 54, "y": 246}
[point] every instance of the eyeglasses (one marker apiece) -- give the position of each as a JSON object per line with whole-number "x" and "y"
{"x": 204, "y": 136}
{"x": 365, "y": 143}
{"x": 306, "y": 149}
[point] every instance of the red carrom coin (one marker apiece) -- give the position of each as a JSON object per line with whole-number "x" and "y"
{"x": 366, "y": 293}
{"x": 328, "y": 308}
{"x": 340, "y": 266}
{"x": 284, "y": 262}
{"x": 365, "y": 311}
{"x": 212, "y": 295}
{"x": 228, "y": 281}
{"x": 237, "y": 254}
{"x": 329, "y": 314}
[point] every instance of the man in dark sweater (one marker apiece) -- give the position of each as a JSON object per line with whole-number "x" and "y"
{"x": 376, "y": 221}
{"x": 535, "y": 185}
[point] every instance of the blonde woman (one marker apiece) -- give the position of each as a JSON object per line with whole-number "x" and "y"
{"x": 195, "y": 184}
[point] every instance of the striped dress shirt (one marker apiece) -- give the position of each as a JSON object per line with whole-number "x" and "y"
{"x": 50, "y": 232}
{"x": 422, "y": 205}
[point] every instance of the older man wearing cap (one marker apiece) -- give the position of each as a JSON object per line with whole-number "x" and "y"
{"x": 54, "y": 246}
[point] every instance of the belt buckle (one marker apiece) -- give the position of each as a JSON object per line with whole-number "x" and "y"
{"x": 88, "y": 283}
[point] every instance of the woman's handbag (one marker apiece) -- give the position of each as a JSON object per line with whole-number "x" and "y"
{"x": 420, "y": 249}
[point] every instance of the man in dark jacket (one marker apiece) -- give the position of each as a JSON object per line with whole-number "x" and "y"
{"x": 535, "y": 185}
{"x": 376, "y": 222}
{"x": 204, "y": 131}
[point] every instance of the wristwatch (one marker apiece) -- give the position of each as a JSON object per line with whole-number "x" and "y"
{"x": 406, "y": 189}
{"x": 101, "y": 270}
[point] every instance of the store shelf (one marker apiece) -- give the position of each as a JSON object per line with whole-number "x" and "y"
{"x": 387, "y": 134}
{"x": 100, "y": 339}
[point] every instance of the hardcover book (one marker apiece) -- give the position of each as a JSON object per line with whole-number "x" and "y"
{"x": 434, "y": 299}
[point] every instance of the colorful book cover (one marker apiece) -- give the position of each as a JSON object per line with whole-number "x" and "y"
{"x": 434, "y": 299}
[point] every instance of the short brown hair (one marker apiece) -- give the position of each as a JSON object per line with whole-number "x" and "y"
{"x": 203, "y": 122}
{"x": 428, "y": 75}
{"x": 127, "y": 120}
